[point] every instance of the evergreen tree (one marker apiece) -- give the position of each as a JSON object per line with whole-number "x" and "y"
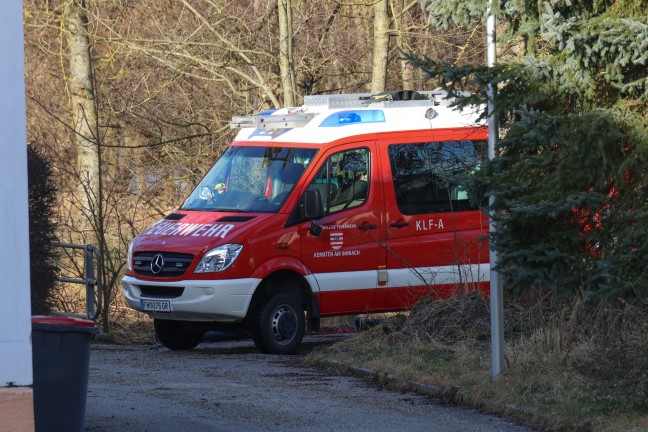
{"x": 42, "y": 256}
{"x": 569, "y": 179}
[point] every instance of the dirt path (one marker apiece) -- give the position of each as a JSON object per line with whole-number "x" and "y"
{"x": 230, "y": 386}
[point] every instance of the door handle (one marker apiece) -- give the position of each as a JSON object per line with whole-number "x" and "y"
{"x": 367, "y": 227}
{"x": 399, "y": 224}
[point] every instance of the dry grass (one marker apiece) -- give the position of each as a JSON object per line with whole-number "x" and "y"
{"x": 569, "y": 366}
{"x": 126, "y": 326}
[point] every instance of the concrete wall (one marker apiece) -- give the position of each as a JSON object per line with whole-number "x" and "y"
{"x": 16, "y": 409}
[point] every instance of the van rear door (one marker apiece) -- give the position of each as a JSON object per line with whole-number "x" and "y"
{"x": 435, "y": 235}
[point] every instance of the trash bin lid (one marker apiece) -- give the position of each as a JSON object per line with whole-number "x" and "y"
{"x": 62, "y": 320}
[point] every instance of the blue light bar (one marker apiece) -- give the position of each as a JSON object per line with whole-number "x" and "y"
{"x": 345, "y": 118}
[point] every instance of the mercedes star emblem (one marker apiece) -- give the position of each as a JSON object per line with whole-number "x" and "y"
{"x": 157, "y": 263}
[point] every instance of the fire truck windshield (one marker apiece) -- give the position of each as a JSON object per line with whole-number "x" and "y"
{"x": 250, "y": 179}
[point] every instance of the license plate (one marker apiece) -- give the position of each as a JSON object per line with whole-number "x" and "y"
{"x": 155, "y": 305}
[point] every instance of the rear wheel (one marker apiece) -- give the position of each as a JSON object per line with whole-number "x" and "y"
{"x": 177, "y": 335}
{"x": 279, "y": 324}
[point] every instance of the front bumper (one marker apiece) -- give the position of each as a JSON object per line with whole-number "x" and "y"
{"x": 201, "y": 300}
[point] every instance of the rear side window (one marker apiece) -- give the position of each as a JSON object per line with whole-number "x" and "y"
{"x": 425, "y": 175}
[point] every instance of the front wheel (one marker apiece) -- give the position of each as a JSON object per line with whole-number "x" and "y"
{"x": 279, "y": 324}
{"x": 177, "y": 335}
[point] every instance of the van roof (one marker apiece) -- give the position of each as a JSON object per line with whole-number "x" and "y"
{"x": 326, "y": 118}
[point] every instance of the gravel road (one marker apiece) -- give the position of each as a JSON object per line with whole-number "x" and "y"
{"x": 230, "y": 386}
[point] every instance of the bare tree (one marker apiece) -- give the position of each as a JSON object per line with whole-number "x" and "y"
{"x": 286, "y": 65}
{"x": 381, "y": 45}
{"x": 403, "y": 20}
{"x": 84, "y": 114}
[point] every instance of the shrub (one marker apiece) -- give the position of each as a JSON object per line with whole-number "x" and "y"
{"x": 42, "y": 256}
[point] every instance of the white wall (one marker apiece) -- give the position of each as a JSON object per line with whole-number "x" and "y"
{"x": 15, "y": 310}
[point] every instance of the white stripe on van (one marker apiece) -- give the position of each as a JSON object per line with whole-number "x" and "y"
{"x": 343, "y": 281}
{"x": 439, "y": 275}
{"x": 367, "y": 279}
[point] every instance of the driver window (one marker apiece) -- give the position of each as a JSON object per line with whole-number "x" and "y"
{"x": 343, "y": 180}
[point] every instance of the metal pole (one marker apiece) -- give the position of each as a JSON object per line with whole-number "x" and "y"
{"x": 93, "y": 285}
{"x": 90, "y": 280}
{"x": 496, "y": 290}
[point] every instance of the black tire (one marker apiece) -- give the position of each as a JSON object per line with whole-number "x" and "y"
{"x": 177, "y": 335}
{"x": 279, "y": 324}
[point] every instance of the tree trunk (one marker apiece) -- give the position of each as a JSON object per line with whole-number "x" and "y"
{"x": 381, "y": 46}
{"x": 286, "y": 65}
{"x": 83, "y": 113}
{"x": 88, "y": 219}
{"x": 406, "y": 70}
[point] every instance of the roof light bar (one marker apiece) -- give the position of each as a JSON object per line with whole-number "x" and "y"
{"x": 345, "y": 118}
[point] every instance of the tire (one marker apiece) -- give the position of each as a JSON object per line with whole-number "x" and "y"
{"x": 279, "y": 324}
{"x": 177, "y": 335}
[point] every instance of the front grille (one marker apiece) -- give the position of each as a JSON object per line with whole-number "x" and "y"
{"x": 151, "y": 291}
{"x": 175, "y": 264}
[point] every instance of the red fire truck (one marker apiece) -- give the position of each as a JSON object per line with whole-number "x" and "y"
{"x": 348, "y": 204}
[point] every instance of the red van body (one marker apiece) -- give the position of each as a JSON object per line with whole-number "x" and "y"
{"x": 346, "y": 205}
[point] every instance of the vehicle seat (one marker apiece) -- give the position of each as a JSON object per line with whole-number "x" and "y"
{"x": 355, "y": 190}
{"x": 287, "y": 178}
{"x": 321, "y": 187}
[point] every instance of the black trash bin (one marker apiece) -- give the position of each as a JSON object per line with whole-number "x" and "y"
{"x": 60, "y": 358}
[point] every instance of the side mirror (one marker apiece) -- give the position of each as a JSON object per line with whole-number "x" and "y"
{"x": 312, "y": 204}
{"x": 313, "y": 208}
{"x": 315, "y": 229}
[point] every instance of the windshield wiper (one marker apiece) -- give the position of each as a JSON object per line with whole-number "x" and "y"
{"x": 213, "y": 210}
{"x": 228, "y": 210}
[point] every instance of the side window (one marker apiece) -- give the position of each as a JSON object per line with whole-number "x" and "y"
{"x": 424, "y": 175}
{"x": 343, "y": 180}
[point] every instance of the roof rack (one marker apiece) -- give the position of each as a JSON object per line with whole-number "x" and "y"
{"x": 314, "y": 104}
{"x": 360, "y": 100}
{"x": 283, "y": 121}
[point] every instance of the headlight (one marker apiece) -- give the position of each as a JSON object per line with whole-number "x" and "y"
{"x": 129, "y": 257}
{"x": 218, "y": 259}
